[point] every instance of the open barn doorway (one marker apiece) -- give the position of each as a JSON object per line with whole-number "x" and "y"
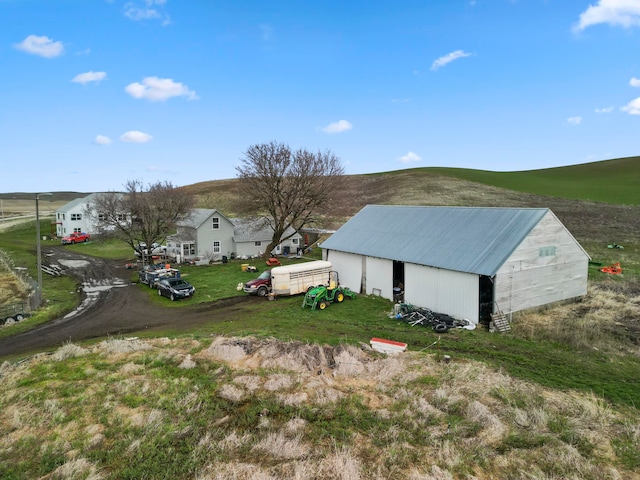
{"x": 398, "y": 281}
{"x": 486, "y": 300}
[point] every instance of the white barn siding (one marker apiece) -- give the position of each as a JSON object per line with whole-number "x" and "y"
{"x": 443, "y": 291}
{"x": 548, "y": 266}
{"x": 349, "y": 268}
{"x": 379, "y": 277}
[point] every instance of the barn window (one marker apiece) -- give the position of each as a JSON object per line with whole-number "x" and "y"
{"x": 547, "y": 251}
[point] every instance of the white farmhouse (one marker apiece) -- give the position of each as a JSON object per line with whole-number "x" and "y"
{"x": 209, "y": 235}
{"x": 462, "y": 261}
{"x": 76, "y": 216}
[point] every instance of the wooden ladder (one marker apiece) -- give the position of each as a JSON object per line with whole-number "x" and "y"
{"x": 500, "y": 321}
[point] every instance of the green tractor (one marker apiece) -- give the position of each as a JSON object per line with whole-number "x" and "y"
{"x": 322, "y": 296}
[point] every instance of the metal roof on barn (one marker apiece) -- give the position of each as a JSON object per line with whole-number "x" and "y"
{"x": 466, "y": 239}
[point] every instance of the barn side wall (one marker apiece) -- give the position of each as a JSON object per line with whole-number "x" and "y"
{"x": 443, "y": 291}
{"x": 548, "y": 266}
{"x": 349, "y": 268}
{"x": 379, "y": 277}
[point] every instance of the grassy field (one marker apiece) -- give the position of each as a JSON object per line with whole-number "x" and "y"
{"x": 284, "y": 392}
{"x": 613, "y": 181}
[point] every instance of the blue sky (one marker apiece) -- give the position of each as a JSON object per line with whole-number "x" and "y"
{"x": 97, "y": 92}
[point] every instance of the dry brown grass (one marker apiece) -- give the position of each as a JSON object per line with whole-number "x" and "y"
{"x": 473, "y": 422}
{"x": 606, "y": 319}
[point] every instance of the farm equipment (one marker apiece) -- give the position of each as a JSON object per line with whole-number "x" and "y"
{"x": 439, "y": 322}
{"x": 14, "y": 312}
{"x": 614, "y": 269}
{"x": 322, "y": 296}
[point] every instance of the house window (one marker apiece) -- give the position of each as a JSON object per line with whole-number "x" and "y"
{"x": 101, "y": 217}
{"x": 547, "y": 251}
{"x": 216, "y": 247}
{"x": 121, "y": 217}
{"x": 215, "y": 222}
{"x": 188, "y": 249}
{"x": 76, "y": 216}
{"x": 294, "y": 241}
{"x": 257, "y": 244}
{"x": 77, "y": 230}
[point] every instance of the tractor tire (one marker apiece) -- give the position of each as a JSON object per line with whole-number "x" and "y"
{"x": 339, "y": 297}
{"x": 19, "y": 317}
{"x": 323, "y": 304}
{"x": 441, "y": 328}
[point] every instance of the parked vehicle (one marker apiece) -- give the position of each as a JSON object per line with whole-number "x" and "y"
{"x": 323, "y": 295}
{"x": 175, "y": 288}
{"x": 156, "y": 249}
{"x": 152, "y": 273}
{"x": 290, "y": 279}
{"x": 75, "y": 237}
{"x": 14, "y": 312}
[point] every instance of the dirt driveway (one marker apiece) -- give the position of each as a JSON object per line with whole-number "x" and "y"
{"x": 111, "y": 305}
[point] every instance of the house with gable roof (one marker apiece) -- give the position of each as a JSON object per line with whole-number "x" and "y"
{"x": 76, "y": 216}
{"x": 210, "y": 235}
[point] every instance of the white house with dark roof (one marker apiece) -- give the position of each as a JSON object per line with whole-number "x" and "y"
{"x": 209, "y": 235}
{"x": 467, "y": 262}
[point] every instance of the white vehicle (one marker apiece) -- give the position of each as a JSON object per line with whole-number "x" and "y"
{"x": 290, "y": 279}
{"x": 156, "y": 249}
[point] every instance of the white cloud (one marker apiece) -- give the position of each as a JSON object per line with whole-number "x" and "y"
{"x": 634, "y": 82}
{"x": 42, "y": 46}
{"x": 604, "y": 110}
{"x": 89, "y": 77}
{"x": 146, "y": 10}
{"x": 102, "y": 140}
{"x": 450, "y": 57}
{"x": 409, "y": 157}
{"x": 633, "y": 107}
{"x": 338, "y": 127}
{"x": 574, "y": 120}
{"x": 159, "y": 89}
{"x": 134, "y": 136}
{"x": 624, "y": 13}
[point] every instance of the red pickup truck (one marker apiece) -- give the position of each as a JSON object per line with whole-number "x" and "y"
{"x": 76, "y": 237}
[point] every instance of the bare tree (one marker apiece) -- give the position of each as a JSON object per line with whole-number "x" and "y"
{"x": 290, "y": 188}
{"x": 142, "y": 215}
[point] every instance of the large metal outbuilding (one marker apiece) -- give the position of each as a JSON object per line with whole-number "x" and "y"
{"x": 467, "y": 262}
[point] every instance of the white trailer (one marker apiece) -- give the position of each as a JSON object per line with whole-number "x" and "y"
{"x": 298, "y": 278}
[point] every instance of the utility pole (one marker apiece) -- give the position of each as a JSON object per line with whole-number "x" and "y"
{"x": 38, "y": 248}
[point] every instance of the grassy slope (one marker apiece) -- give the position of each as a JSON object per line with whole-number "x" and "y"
{"x": 560, "y": 428}
{"x": 612, "y": 181}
